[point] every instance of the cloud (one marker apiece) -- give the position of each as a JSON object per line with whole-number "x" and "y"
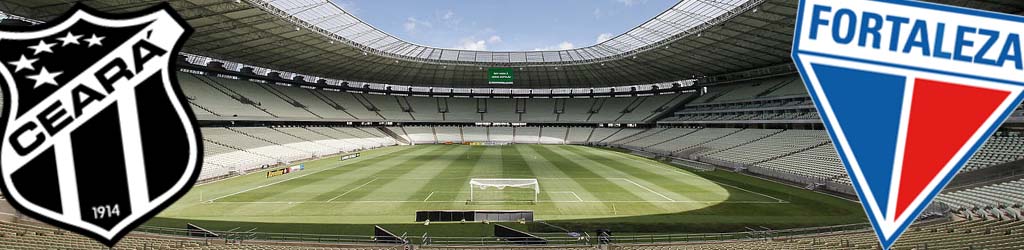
{"x": 597, "y": 13}
{"x": 564, "y": 45}
{"x": 469, "y": 44}
{"x": 632, "y": 2}
{"x": 472, "y": 43}
{"x": 412, "y": 24}
{"x": 494, "y": 39}
{"x": 448, "y": 18}
{"x": 604, "y": 37}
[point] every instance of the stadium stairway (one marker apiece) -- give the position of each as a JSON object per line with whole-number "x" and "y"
{"x": 667, "y": 109}
{"x": 795, "y": 152}
{"x": 200, "y": 107}
{"x": 263, "y": 139}
{"x": 210, "y": 81}
{"x": 737, "y": 139}
{"x": 686, "y": 151}
{"x": 640, "y": 136}
{"x": 335, "y": 107}
{"x": 393, "y": 135}
{"x": 275, "y": 91}
{"x": 670, "y": 138}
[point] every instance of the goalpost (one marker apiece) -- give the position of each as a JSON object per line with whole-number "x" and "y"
{"x": 524, "y": 190}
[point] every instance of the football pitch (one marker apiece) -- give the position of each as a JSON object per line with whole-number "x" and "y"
{"x": 581, "y": 187}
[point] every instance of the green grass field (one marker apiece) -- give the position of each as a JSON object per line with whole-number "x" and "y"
{"x": 582, "y": 188}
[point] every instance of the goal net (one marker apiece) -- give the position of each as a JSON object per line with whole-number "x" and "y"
{"x": 503, "y": 190}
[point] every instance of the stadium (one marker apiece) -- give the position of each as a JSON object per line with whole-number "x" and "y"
{"x": 692, "y": 130}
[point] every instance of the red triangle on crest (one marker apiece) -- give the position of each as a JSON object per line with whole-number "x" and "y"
{"x": 943, "y": 117}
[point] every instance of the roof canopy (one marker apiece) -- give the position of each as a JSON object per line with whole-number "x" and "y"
{"x": 315, "y": 37}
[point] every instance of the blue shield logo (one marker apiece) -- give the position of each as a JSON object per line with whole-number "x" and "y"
{"x": 908, "y": 92}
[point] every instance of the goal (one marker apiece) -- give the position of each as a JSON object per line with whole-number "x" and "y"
{"x": 503, "y": 190}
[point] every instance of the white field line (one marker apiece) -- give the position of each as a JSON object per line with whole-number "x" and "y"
{"x": 272, "y": 183}
{"x": 428, "y": 196}
{"x": 577, "y": 196}
{"x": 350, "y": 190}
{"x": 306, "y": 161}
{"x": 678, "y": 171}
{"x": 340, "y": 164}
{"x": 648, "y": 189}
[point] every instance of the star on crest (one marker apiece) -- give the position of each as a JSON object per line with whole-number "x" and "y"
{"x": 69, "y": 39}
{"x": 23, "y": 63}
{"x": 94, "y": 40}
{"x": 45, "y": 77}
{"x": 42, "y": 47}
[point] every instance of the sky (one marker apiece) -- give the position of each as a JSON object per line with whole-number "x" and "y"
{"x": 505, "y": 25}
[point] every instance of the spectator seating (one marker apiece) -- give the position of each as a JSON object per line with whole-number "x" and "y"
{"x": 420, "y": 135}
{"x": 997, "y": 150}
{"x": 1001, "y": 235}
{"x": 691, "y": 140}
{"x": 448, "y": 134}
{"x": 539, "y": 110}
{"x": 527, "y": 135}
{"x": 1002, "y": 195}
{"x": 579, "y": 135}
{"x": 474, "y": 134}
{"x": 214, "y": 96}
{"x": 821, "y": 162}
{"x": 228, "y": 150}
{"x": 30, "y": 237}
{"x": 773, "y": 147}
{"x": 213, "y": 101}
{"x": 958, "y": 234}
{"x": 729, "y": 141}
{"x": 500, "y": 134}
{"x": 553, "y": 135}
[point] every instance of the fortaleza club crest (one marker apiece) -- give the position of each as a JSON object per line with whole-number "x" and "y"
{"x": 97, "y": 135}
{"x": 908, "y": 91}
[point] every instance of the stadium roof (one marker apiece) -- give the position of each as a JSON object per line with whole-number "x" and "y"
{"x": 680, "y": 18}
{"x": 316, "y": 37}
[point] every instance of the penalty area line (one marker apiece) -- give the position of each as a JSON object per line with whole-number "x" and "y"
{"x": 577, "y": 196}
{"x": 272, "y": 183}
{"x": 350, "y": 190}
{"x": 648, "y": 189}
{"x": 680, "y": 171}
{"x": 339, "y": 164}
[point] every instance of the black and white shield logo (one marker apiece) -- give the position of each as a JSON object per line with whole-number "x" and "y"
{"x": 97, "y": 135}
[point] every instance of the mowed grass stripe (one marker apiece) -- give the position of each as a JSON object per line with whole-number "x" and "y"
{"x": 315, "y": 186}
{"x": 695, "y": 186}
{"x": 366, "y": 175}
{"x": 487, "y": 165}
{"x": 408, "y": 190}
{"x": 463, "y": 167}
{"x": 319, "y": 167}
{"x": 546, "y": 169}
{"x": 275, "y": 185}
{"x": 674, "y": 186}
{"x": 482, "y": 168}
{"x": 514, "y": 164}
{"x": 613, "y": 175}
{"x": 605, "y": 190}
